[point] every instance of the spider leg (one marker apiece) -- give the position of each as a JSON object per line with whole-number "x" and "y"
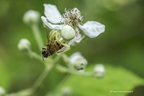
{"x": 57, "y": 36}
{"x": 67, "y": 48}
{"x": 54, "y": 35}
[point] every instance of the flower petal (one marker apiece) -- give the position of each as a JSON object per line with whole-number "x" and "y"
{"x": 49, "y": 25}
{"x": 52, "y": 14}
{"x": 76, "y": 39}
{"x": 92, "y": 28}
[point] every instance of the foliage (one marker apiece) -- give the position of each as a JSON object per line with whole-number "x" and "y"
{"x": 116, "y": 79}
{"x": 121, "y": 44}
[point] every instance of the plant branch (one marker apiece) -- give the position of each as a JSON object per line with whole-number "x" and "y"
{"x": 37, "y": 35}
{"x": 72, "y": 71}
{"x": 46, "y": 71}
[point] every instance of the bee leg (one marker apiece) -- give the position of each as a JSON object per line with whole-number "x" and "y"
{"x": 43, "y": 58}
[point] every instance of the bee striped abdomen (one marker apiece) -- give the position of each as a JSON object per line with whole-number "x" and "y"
{"x": 51, "y": 49}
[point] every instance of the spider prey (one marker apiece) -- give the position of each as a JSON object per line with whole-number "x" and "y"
{"x": 56, "y": 44}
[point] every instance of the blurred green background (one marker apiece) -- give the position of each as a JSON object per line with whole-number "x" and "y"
{"x": 121, "y": 45}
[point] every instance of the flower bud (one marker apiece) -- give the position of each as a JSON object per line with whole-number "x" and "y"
{"x": 66, "y": 91}
{"x": 24, "y": 45}
{"x": 2, "y": 91}
{"x": 31, "y": 17}
{"x": 80, "y": 64}
{"x": 78, "y": 61}
{"x": 68, "y": 32}
{"x": 74, "y": 56}
{"x": 99, "y": 70}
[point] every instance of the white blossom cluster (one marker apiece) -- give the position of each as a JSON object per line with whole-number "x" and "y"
{"x": 69, "y": 24}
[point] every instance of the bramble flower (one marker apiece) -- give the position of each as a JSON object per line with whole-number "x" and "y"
{"x": 73, "y": 18}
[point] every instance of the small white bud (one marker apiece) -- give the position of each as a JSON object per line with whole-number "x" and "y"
{"x": 2, "y": 91}
{"x": 68, "y": 32}
{"x": 99, "y": 70}
{"x": 78, "y": 61}
{"x": 66, "y": 91}
{"x": 74, "y": 56}
{"x": 24, "y": 45}
{"x": 31, "y": 17}
{"x": 80, "y": 64}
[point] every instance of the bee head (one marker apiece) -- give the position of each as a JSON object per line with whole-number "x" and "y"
{"x": 44, "y": 53}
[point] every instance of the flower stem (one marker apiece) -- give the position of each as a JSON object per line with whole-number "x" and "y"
{"x": 42, "y": 77}
{"x": 65, "y": 69}
{"x": 65, "y": 58}
{"x": 38, "y": 57}
{"x": 37, "y": 35}
{"x": 46, "y": 71}
{"x": 26, "y": 92}
{"x": 34, "y": 55}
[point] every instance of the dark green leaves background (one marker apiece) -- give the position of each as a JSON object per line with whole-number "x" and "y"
{"x": 121, "y": 45}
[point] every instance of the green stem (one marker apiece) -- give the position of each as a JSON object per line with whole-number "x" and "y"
{"x": 34, "y": 55}
{"x": 42, "y": 77}
{"x": 26, "y": 92}
{"x": 49, "y": 67}
{"x": 65, "y": 58}
{"x": 83, "y": 73}
{"x": 72, "y": 71}
{"x": 46, "y": 71}
{"x": 38, "y": 57}
{"x": 37, "y": 35}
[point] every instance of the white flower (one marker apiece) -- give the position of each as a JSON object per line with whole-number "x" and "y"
{"x": 73, "y": 18}
{"x": 31, "y": 17}
{"x": 92, "y": 28}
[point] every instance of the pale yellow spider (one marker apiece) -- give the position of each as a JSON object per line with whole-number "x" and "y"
{"x": 56, "y": 37}
{"x": 56, "y": 44}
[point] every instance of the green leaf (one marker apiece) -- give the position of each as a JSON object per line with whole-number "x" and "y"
{"x": 4, "y": 77}
{"x": 116, "y": 81}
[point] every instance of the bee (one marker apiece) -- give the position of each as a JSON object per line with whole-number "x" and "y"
{"x": 56, "y": 44}
{"x": 51, "y": 48}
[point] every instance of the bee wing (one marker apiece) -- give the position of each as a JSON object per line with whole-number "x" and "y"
{"x": 61, "y": 50}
